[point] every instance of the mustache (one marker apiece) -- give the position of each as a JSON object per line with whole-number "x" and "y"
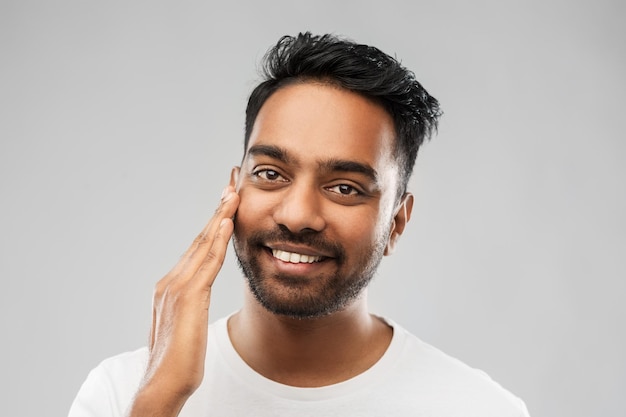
{"x": 312, "y": 239}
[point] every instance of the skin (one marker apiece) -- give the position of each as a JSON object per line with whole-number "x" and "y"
{"x": 180, "y": 319}
{"x": 302, "y": 190}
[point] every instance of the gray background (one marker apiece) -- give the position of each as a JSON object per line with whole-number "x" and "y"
{"x": 120, "y": 122}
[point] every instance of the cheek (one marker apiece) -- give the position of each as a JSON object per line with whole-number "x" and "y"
{"x": 360, "y": 229}
{"x": 252, "y": 210}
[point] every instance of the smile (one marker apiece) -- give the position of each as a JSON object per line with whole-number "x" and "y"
{"x": 295, "y": 258}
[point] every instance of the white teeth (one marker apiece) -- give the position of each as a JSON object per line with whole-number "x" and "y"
{"x": 295, "y": 258}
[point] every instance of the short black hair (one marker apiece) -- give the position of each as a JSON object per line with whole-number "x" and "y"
{"x": 362, "y": 69}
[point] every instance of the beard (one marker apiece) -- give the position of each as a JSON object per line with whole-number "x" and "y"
{"x": 312, "y": 296}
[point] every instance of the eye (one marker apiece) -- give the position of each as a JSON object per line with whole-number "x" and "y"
{"x": 344, "y": 190}
{"x": 268, "y": 175}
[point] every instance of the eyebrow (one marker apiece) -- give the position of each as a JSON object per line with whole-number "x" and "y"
{"x": 330, "y": 165}
{"x": 342, "y": 165}
{"x": 271, "y": 151}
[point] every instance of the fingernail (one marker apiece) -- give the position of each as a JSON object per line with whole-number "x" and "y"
{"x": 227, "y": 196}
{"x": 224, "y": 192}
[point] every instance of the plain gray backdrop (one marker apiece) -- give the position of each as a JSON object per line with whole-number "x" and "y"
{"x": 120, "y": 121}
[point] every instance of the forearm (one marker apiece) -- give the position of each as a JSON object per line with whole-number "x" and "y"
{"x": 155, "y": 402}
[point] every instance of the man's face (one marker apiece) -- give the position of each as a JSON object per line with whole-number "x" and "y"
{"x": 317, "y": 184}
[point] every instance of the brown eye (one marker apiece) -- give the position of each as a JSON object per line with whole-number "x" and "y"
{"x": 344, "y": 189}
{"x": 268, "y": 175}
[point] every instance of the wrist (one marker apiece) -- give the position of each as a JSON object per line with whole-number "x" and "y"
{"x": 158, "y": 401}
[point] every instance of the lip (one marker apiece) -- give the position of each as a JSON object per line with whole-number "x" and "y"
{"x": 300, "y": 269}
{"x": 303, "y": 250}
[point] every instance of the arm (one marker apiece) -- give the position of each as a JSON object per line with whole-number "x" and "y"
{"x": 180, "y": 319}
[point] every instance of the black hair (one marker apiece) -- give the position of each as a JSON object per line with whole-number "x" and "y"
{"x": 362, "y": 69}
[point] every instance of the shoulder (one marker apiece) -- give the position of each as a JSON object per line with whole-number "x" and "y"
{"x": 111, "y": 385}
{"x": 126, "y": 363}
{"x": 124, "y": 370}
{"x": 422, "y": 369}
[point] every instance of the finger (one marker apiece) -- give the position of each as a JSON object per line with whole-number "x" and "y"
{"x": 194, "y": 256}
{"x": 228, "y": 206}
{"x": 227, "y": 194}
{"x": 153, "y": 328}
{"x": 214, "y": 259}
{"x": 186, "y": 267}
{"x": 205, "y": 240}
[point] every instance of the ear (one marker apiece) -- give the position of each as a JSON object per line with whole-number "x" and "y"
{"x": 234, "y": 178}
{"x": 400, "y": 219}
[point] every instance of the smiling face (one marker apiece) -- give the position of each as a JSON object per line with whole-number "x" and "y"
{"x": 318, "y": 209}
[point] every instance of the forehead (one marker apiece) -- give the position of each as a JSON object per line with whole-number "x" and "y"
{"x": 319, "y": 121}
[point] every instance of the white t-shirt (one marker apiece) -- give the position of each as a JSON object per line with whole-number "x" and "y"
{"x": 411, "y": 379}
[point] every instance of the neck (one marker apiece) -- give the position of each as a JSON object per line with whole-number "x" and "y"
{"x": 309, "y": 352}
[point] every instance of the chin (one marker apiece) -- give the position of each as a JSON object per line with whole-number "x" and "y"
{"x": 294, "y": 297}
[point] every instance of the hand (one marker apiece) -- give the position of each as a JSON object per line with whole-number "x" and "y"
{"x": 180, "y": 318}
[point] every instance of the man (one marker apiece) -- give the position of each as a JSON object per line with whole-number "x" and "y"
{"x": 331, "y": 139}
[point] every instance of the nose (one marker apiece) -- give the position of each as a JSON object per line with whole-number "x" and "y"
{"x": 299, "y": 209}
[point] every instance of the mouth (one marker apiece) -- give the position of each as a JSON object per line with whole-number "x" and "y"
{"x": 295, "y": 258}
